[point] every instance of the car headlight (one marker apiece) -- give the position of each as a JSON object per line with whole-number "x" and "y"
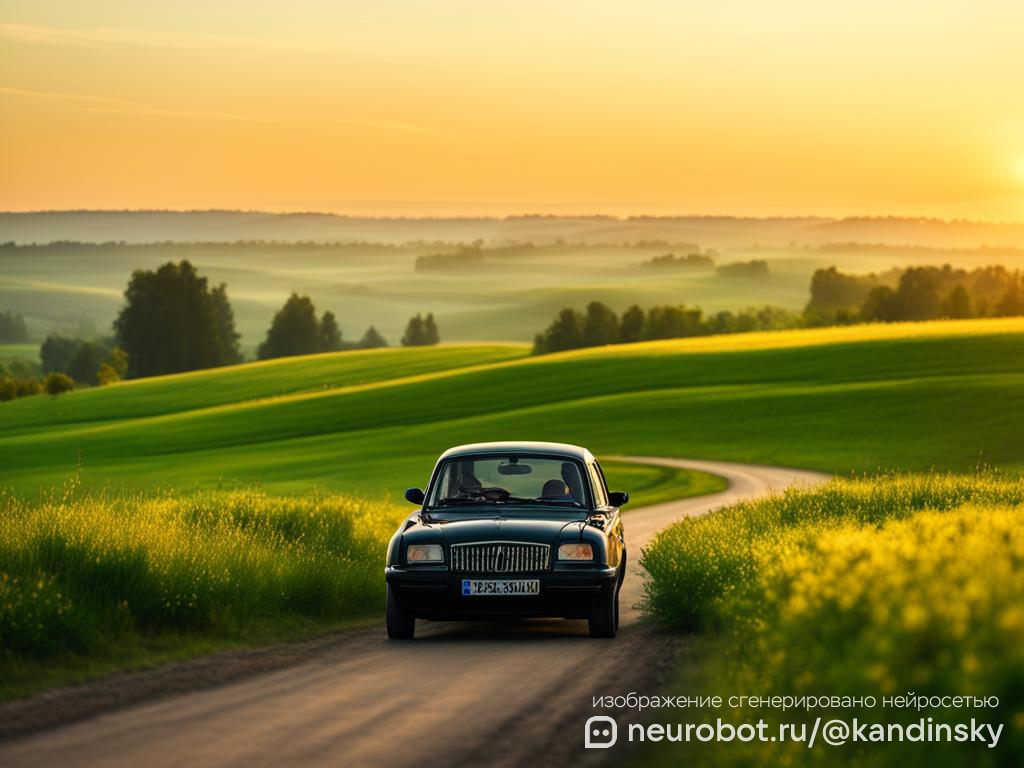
{"x": 575, "y": 551}
{"x": 424, "y": 553}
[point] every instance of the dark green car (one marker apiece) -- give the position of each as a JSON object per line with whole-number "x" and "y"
{"x": 506, "y": 531}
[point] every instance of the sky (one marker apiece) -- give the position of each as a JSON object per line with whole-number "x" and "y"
{"x": 491, "y": 107}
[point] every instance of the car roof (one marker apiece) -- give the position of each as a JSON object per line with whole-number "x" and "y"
{"x": 520, "y": 447}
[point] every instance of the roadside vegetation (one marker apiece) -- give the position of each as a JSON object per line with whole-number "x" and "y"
{"x": 93, "y": 581}
{"x": 85, "y": 576}
{"x": 877, "y": 586}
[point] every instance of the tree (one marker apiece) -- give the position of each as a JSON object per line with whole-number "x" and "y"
{"x": 430, "y": 332}
{"x": 372, "y": 339}
{"x": 293, "y": 331}
{"x": 173, "y": 322}
{"x": 632, "y": 326}
{"x": 58, "y": 383}
{"x": 833, "y": 292}
{"x": 421, "y": 332}
{"x": 957, "y": 304}
{"x": 224, "y": 323}
{"x": 86, "y": 363}
{"x": 880, "y": 305}
{"x": 600, "y": 325}
{"x": 414, "y": 332}
{"x": 330, "y": 334}
{"x": 57, "y": 352}
{"x": 118, "y": 361}
{"x": 1012, "y": 302}
{"x": 566, "y": 332}
{"x": 107, "y": 375}
{"x": 917, "y": 297}
{"x": 673, "y": 322}
{"x": 723, "y": 322}
{"x": 83, "y": 360}
{"x": 12, "y": 328}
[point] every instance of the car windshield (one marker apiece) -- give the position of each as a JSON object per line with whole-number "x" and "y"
{"x": 509, "y": 480}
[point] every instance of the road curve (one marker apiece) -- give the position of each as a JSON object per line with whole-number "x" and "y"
{"x": 460, "y": 694}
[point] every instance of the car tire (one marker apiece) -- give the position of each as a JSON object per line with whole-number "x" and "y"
{"x": 401, "y": 623}
{"x": 604, "y": 617}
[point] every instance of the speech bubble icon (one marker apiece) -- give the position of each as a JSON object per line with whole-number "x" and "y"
{"x": 600, "y": 732}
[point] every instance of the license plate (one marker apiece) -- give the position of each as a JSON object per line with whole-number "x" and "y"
{"x": 501, "y": 587}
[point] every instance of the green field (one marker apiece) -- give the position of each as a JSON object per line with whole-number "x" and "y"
{"x": 10, "y": 352}
{"x": 915, "y": 396}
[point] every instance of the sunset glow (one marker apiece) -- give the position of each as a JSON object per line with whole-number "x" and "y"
{"x": 453, "y": 107}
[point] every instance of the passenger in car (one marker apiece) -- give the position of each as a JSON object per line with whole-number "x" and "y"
{"x": 554, "y": 489}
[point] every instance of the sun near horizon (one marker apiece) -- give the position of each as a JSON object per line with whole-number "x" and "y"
{"x": 456, "y": 108}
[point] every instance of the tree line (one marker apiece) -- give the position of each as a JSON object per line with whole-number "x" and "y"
{"x": 916, "y": 293}
{"x": 296, "y": 330}
{"x": 600, "y": 325}
{"x": 691, "y": 261}
{"x": 174, "y": 321}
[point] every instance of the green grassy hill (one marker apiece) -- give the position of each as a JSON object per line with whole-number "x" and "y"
{"x": 914, "y": 396}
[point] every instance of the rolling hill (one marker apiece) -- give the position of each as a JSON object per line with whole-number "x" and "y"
{"x": 944, "y": 395}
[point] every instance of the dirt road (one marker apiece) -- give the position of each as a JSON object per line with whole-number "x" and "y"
{"x": 460, "y": 694}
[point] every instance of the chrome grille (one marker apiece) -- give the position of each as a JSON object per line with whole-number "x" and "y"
{"x": 500, "y": 557}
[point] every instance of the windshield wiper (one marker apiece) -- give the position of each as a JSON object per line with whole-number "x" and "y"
{"x": 453, "y": 501}
{"x": 481, "y": 499}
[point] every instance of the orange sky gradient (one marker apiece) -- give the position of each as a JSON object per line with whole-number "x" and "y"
{"x": 446, "y": 107}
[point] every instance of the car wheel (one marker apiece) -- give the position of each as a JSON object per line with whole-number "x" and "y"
{"x": 604, "y": 618}
{"x": 401, "y": 623}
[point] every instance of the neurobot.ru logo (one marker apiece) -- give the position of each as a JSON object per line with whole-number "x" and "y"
{"x": 600, "y": 732}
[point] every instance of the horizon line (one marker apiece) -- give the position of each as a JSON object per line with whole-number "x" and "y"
{"x": 524, "y": 215}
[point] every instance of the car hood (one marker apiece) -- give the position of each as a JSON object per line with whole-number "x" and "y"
{"x": 542, "y": 527}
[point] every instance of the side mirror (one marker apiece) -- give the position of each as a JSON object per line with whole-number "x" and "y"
{"x": 618, "y": 498}
{"x": 415, "y": 495}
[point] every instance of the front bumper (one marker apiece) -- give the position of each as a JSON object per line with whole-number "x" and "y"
{"x": 433, "y": 592}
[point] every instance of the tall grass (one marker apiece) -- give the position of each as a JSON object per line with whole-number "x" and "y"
{"x": 80, "y": 570}
{"x": 864, "y": 587}
{"x": 698, "y": 563}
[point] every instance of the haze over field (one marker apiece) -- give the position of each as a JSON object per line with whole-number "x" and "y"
{"x": 365, "y": 271}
